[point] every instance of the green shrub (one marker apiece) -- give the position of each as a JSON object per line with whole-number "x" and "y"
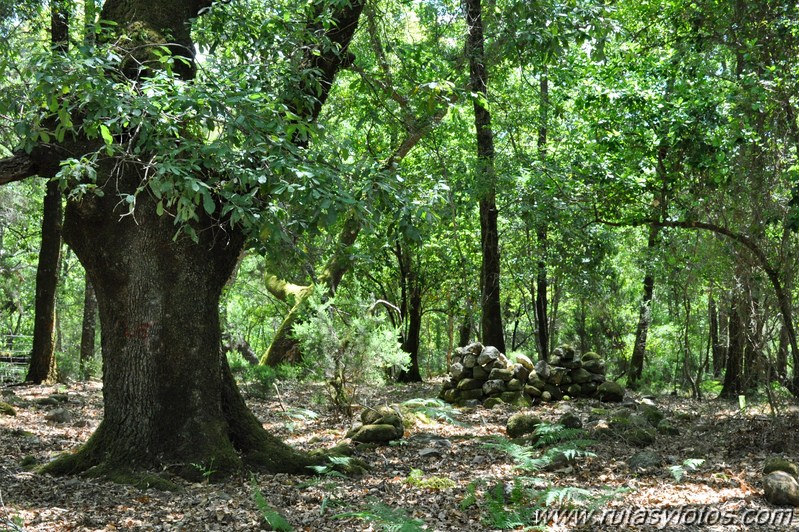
{"x": 347, "y": 349}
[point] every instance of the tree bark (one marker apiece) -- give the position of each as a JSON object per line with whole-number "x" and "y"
{"x": 644, "y": 315}
{"x": 43, "y": 363}
{"x": 491, "y": 318}
{"x": 411, "y": 310}
{"x": 733, "y": 378}
{"x": 717, "y": 348}
{"x": 88, "y": 329}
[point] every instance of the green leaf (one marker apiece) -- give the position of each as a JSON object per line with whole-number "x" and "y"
{"x": 106, "y": 134}
{"x": 208, "y": 203}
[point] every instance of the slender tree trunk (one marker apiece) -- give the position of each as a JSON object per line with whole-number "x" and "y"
{"x": 542, "y": 320}
{"x": 733, "y": 378}
{"x": 89, "y": 328}
{"x": 465, "y": 331}
{"x": 43, "y": 363}
{"x": 782, "y": 356}
{"x": 491, "y": 318}
{"x": 717, "y": 348}
{"x": 644, "y": 314}
{"x": 413, "y": 335}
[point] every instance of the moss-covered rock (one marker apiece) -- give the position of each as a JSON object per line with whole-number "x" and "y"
{"x": 610, "y": 392}
{"x": 376, "y": 434}
{"x": 652, "y": 414}
{"x": 776, "y": 463}
{"x": 570, "y": 421}
{"x": 520, "y": 424}
{"x": 781, "y": 489}
{"x": 7, "y": 410}
{"x": 491, "y": 402}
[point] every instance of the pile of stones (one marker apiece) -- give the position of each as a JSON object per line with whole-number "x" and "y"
{"x": 481, "y": 374}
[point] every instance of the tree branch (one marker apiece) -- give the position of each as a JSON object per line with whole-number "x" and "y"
{"x": 16, "y": 168}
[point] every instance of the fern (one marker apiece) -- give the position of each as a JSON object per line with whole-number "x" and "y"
{"x": 386, "y": 518}
{"x": 547, "y": 434}
{"x": 678, "y": 471}
{"x": 434, "y": 409}
{"x": 270, "y": 515}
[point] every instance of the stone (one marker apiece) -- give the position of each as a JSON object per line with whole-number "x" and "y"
{"x": 469, "y": 361}
{"x": 574, "y": 390}
{"x": 7, "y": 410}
{"x": 450, "y": 396}
{"x": 514, "y": 385}
{"x": 525, "y": 361}
{"x": 488, "y": 355}
{"x": 491, "y": 402}
{"x": 471, "y": 395}
{"x": 645, "y": 460}
{"x": 520, "y": 372}
{"x": 652, "y": 414}
{"x": 596, "y": 367}
{"x": 380, "y": 433}
{"x": 534, "y": 380}
{"x": 781, "y": 489}
{"x": 494, "y": 387}
{"x": 478, "y": 372}
{"x": 580, "y": 376}
{"x": 546, "y": 396}
{"x": 610, "y": 392}
{"x": 474, "y": 348}
{"x": 588, "y": 388}
{"x": 570, "y": 421}
{"x": 542, "y": 369}
{"x": 457, "y": 371}
{"x": 59, "y": 415}
{"x": 520, "y": 424}
{"x": 776, "y": 463}
{"x": 500, "y": 374}
{"x": 590, "y": 356}
{"x": 532, "y": 391}
{"x": 470, "y": 384}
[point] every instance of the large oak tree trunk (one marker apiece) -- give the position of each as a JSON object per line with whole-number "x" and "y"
{"x": 169, "y": 398}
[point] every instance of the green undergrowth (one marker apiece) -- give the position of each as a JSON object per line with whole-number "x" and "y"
{"x": 517, "y": 504}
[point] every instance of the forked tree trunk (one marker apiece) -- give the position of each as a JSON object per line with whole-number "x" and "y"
{"x": 169, "y": 398}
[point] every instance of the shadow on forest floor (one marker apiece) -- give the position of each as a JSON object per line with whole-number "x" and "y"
{"x": 732, "y": 443}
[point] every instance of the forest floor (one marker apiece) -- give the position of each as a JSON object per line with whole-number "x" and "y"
{"x": 458, "y": 484}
